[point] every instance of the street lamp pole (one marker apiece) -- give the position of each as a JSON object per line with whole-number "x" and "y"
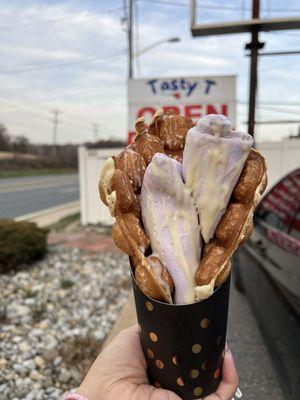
{"x": 151, "y": 46}
{"x": 130, "y": 47}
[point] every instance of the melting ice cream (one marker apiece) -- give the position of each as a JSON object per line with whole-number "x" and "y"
{"x": 171, "y": 223}
{"x": 213, "y": 159}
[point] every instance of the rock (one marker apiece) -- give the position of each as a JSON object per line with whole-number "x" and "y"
{"x": 37, "y": 332}
{"x": 30, "y": 302}
{"x": 44, "y": 329}
{"x": 43, "y": 325}
{"x": 57, "y": 361}
{"x": 15, "y": 310}
{"x": 76, "y": 375}
{"x": 3, "y": 362}
{"x": 64, "y": 375}
{"x": 29, "y": 364}
{"x": 35, "y": 376}
{"x": 99, "y": 335}
{"x": 40, "y": 362}
{"x": 50, "y": 342}
{"x": 24, "y": 347}
{"x": 20, "y": 369}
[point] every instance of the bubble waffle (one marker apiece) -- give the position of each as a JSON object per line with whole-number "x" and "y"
{"x": 236, "y": 224}
{"x": 120, "y": 185}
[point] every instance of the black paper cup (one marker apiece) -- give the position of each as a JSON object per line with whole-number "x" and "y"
{"x": 184, "y": 344}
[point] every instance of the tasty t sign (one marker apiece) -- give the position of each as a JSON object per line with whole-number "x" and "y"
{"x": 192, "y": 97}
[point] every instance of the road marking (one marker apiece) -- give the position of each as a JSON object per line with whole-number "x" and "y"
{"x": 24, "y": 187}
{"x": 69, "y": 190}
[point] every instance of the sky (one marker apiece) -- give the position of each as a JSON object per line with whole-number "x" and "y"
{"x": 71, "y": 56}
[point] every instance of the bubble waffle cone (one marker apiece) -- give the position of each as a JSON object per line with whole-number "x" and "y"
{"x": 120, "y": 188}
{"x": 236, "y": 224}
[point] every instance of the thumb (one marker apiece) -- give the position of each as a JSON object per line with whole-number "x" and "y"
{"x": 230, "y": 380}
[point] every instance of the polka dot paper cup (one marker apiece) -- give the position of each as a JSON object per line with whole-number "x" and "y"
{"x": 184, "y": 344}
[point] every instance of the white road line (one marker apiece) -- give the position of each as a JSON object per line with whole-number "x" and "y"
{"x": 24, "y": 187}
{"x": 68, "y": 190}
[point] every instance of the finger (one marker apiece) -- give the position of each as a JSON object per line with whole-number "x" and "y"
{"x": 230, "y": 380}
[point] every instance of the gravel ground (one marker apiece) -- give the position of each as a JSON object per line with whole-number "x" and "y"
{"x": 54, "y": 317}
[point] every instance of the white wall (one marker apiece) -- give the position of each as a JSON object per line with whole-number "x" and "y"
{"x": 281, "y": 157}
{"x": 93, "y": 211}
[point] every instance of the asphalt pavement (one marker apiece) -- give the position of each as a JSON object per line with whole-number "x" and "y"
{"x": 21, "y": 196}
{"x": 258, "y": 377}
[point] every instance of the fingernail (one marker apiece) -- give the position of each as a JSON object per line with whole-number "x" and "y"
{"x": 230, "y": 353}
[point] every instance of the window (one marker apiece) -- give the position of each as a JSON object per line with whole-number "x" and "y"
{"x": 295, "y": 227}
{"x": 280, "y": 207}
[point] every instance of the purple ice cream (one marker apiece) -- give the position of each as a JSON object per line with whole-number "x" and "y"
{"x": 213, "y": 159}
{"x": 171, "y": 223}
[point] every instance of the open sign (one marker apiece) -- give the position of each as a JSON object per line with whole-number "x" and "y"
{"x": 179, "y": 87}
{"x": 192, "y": 97}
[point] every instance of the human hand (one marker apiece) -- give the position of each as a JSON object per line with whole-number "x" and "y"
{"x": 119, "y": 372}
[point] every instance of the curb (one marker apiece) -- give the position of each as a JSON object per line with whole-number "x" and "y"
{"x": 51, "y": 215}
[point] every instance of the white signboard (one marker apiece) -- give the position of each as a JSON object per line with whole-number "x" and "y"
{"x": 190, "y": 96}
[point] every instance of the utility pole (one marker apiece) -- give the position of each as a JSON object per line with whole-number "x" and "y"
{"x": 253, "y": 46}
{"x": 254, "y": 25}
{"x": 96, "y": 130}
{"x": 55, "y": 126}
{"x": 130, "y": 36}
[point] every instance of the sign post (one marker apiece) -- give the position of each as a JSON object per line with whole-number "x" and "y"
{"x": 192, "y": 97}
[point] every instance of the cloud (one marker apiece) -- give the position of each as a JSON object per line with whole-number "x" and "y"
{"x": 86, "y": 43}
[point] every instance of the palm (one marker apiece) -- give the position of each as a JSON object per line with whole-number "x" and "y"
{"x": 123, "y": 368}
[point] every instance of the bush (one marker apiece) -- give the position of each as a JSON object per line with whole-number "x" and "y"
{"x": 20, "y": 243}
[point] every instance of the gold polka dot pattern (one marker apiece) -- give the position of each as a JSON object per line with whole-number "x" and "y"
{"x": 149, "y": 306}
{"x": 159, "y": 364}
{"x": 153, "y": 336}
{"x": 181, "y": 355}
{"x": 205, "y": 323}
{"x": 150, "y": 353}
{"x": 217, "y": 373}
{"x": 194, "y": 373}
{"x": 180, "y": 381}
{"x": 176, "y": 360}
{"x": 196, "y": 348}
{"x": 198, "y": 391}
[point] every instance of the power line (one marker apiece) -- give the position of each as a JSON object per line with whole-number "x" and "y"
{"x": 33, "y": 67}
{"x": 284, "y": 34}
{"x": 68, "y": 119}
{"x": 273, "y": 103}
{"x": 55, "y": 20}
{"x": 218, "y": 7}
{"x": 279, "y": 110}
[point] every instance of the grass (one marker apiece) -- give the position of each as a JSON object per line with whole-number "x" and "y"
{"x": 64, "y": 222}
{"x": 36, "y": 172}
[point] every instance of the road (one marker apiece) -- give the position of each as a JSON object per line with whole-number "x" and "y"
{"x": 20, "y": 196}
